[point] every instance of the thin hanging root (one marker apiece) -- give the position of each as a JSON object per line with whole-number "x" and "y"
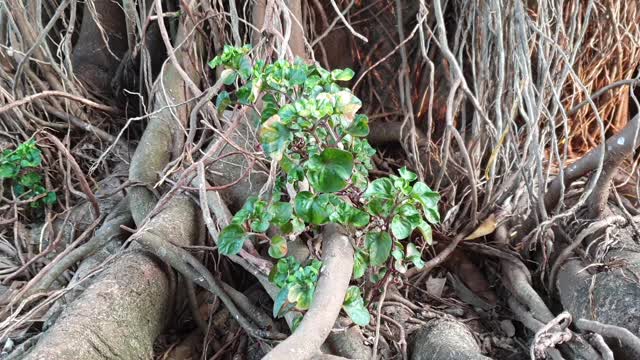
{"x": 55, "y": 93}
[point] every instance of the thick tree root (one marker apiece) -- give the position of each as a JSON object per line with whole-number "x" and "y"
{"x": 625, "y": 336}
{"x": 305, "y": 342}
{"x": 606, "y": 297}
{"x": 444, "y": 340}
{"x": 349, "y": 344}
{"x": 94, "y": 61}
{"x": 100, "y": 323}
{"x": 133, "y": 296}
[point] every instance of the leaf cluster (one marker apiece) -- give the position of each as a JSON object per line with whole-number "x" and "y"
{"x": 311, "y": 129}
{"x": 297, "y": 284}
{"x": 16, "y": 167}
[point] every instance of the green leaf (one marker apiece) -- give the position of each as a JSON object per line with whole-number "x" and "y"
{"x": 260, "y": 217}
{"x": 400, "y": 266}
{"x": 407, "y": 175}
{"x": 38, "y": 189}
{"x": 19, "y": 189}
{"x": 245, "y": 213}
{"x": 296, "y": 322}
{"x": 278, "y": 247}
{"x": 30, "y": 179}
{"x": 342, "y": 74}
{"x": 279, "y": 302}
{"x": 245, "y": 68}
{"x": 364, "y": 152}
{"x": 293, "y": 227}
{"x": 244, "y": 94}
{"x": 50, "y": 199}
{"x": 379, "y": 245}
{"x": 230, "y": 79}
{"x": 261, "y": 223}
{"x": 360, "y": 126}
{"x": 287, "y": 113}
{"x": 426, "y": 232}
{"x": 359, "y": 218}
{"x": 222, "y": 101}
{"x": 281, "y": 212}
{"x": 375, "y": 277}
{"x": 215, "y": 62}
{"x": 324, "y": 74}
{"x": 283, "y": 270}
{"x": 380, "y": 188}
{"x": 360, "y": 263}
{"x": 407, "y": 219}
{"x": 347, "y": 104}
{"x": 231, "y": 239}
{"x": 354, "y": 306}
{"x": 380, "y": 207}
{"x": 304, "y": 296}
{"x": 8, "y": 171}
{"x": 400, "y": 227}
{"x": 346, "y": 214}
{"x": 274, "y": 137}
{"x": 297, "y": 76}
{"x": 432, "y": 215}
{"x": 325, "y": 102}
{"x": 397, "y": 252}
{"x": 269, "y": 109}
{"x": 256, "y": 89}
{"x": 427, "y": 197}
{"x": 329, "y": 171}
{"x": 312, "y": 209}
{"x": 311, "y": 83}
{"x": 414, "y": 255}
{"x": 352, "y": 295}
{"x": 294, "y": 171}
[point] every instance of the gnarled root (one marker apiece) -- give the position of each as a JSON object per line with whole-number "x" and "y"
{"x": 606, "y": 297}
{"x": 444, "y": 339}
{"x": 134, "y": 296}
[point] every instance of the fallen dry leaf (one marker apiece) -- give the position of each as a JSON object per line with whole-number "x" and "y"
{"x": 487, "y": 227}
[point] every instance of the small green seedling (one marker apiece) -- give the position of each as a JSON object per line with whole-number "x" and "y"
{"x": 17, "y": 168}
{"x": 309, "y": 125}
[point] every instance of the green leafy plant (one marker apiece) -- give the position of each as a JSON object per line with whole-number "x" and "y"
{"x": 16, "y": 167}
{"x": 297, "y": 284}
{"x": 309, "y": 125}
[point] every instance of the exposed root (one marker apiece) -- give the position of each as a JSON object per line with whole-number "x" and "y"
{"x": 611, "y": 331}
{"x": 444, "y": 339}
{"x": 550, "y": 335}
{"x": 317, "y": 323}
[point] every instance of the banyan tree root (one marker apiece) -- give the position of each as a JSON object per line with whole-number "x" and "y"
{"x": 333, "y": 282}
{"x": 625, "y": 336}
{"x": 607, "y": 297}
{"x": 133, "y": 296}
{"x": 349, "y": 344}
{"x": 87, "y": 331}
{"x": 444, "y": 339}
{"x": 616, "y": 149}
{"x": 101, "y": 44}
